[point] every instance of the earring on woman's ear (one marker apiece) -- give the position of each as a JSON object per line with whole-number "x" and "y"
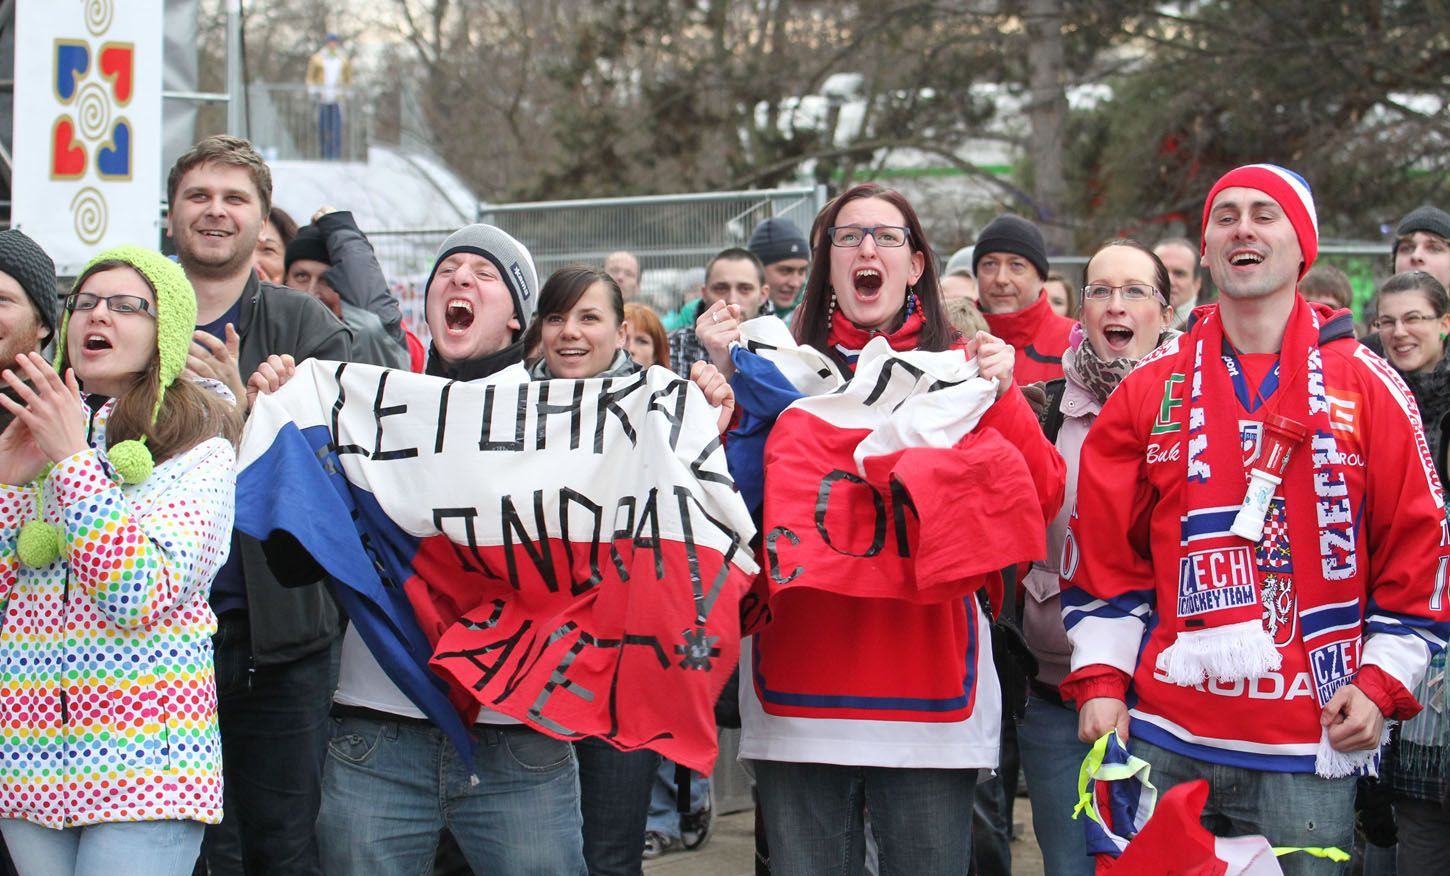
{"x": 830, "y": 305}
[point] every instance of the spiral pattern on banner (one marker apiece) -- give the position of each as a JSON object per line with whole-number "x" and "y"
{"x": 91, "y": 216}
{"x": 93, "y": 112}
{"x": 98, "y": 16}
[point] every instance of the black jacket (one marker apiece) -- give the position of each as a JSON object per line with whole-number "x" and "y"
{"x": 358, "y": 279}
{"x": 287, "y": 623}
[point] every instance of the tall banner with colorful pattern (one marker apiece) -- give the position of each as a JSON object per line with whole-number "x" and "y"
{"x": 87, "y": 139}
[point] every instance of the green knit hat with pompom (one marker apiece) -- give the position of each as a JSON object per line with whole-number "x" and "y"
{"x": 175, "y": 322}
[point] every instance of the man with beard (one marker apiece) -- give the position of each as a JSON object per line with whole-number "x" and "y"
{"x": 28, "y": 300}
{"x": 273, "y": 643}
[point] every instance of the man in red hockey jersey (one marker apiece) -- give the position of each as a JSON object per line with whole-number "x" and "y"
{"x": 1245, "y": 601}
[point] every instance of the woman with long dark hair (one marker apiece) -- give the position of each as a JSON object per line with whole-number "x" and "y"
{"x": 850, "y": 702}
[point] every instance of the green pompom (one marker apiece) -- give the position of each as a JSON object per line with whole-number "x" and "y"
{"x": 38, "y": 544}
{"x": 132, "y": 461}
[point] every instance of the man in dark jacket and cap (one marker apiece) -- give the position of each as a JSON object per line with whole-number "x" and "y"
{"x": 332, "y": 261}
{"x": 786, "y": 254}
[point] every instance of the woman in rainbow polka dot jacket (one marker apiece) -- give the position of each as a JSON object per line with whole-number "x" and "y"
{"x": 115, "y": 514}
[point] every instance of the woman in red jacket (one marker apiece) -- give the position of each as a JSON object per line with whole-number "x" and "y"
{"x": 872, "y": 685}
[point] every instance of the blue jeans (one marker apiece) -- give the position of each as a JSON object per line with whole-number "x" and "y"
{"x": 664, "y": 806}
{"x": 123, "y": 848}
{"x": 992, "y": 828}
{"x": 1052, "y": 755}
{"x": 329, "y": 130}
{"x": 273, "y": 724}
{"x": 390, "y": 787}
{"x": 1287, "y": 809}
{"x": 814, "y": 818}
{"x": 992, "y": 810}
{"x": 614, "y": 789}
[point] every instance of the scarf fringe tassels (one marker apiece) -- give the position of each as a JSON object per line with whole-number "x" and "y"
{"x": 1236, "y": 651}
{"x": 1332, "y": 764}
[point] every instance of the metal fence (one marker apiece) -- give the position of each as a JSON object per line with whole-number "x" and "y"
{"x": 285, "y": 123}
{"x": 669, "y": 234}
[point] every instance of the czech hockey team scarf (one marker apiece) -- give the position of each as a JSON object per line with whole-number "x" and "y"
{"x": 570, "y": 553}
{"x": 1218, "y": 612}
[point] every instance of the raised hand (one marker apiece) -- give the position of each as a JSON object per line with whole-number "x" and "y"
{"x": 717, "y": 328}
{"x": 717, "y": 391}
{"x": 48, "y": 407}
{"x": 270, "y": 376}
{"x": 217, "y": 360}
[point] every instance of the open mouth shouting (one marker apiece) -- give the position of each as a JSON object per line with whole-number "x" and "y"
{"x": 458, "y": 315}
{"x": 1119, "y": 339}
{"x": 867, "y": 282}
{"x": 94, "y": 343}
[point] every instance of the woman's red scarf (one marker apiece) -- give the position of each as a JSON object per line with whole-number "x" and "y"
{"x": 849, "y": 339}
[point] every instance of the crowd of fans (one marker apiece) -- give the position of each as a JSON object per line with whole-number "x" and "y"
{"x": 171, "y": 706}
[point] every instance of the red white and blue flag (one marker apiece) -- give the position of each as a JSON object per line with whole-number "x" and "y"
{"x": 571, "y": 553}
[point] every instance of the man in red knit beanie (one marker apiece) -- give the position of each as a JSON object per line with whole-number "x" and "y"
{"x": 1254, "y": 574}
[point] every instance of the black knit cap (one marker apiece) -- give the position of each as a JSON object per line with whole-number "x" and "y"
{"x": 1426, "y": 218}
{"x": 1015, "y": 235}
{"x": 23, "y": 259}
{"x": 310, "y": 243}
{"x": 777, "y": 239}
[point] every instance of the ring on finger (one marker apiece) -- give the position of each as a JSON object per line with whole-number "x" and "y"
{"x": 715, "y": 315}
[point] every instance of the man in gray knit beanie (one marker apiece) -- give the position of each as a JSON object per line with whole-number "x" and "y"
{"x": 478, "y": 300}
{"x": 1422, "y": 243}
{"x": 521, "y": 814}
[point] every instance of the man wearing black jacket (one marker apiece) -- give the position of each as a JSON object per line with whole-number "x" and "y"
{"x": 273, "y": 644}
{"x": 332, "y": 261}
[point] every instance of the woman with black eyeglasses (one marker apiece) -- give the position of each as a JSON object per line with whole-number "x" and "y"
{"x": 116, "y": 498}
{"x": 872, "y": 686}
{"x": 1413, "y": 321}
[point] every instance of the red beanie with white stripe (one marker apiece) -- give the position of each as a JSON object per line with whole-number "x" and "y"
{"x": 1288, "y": 189}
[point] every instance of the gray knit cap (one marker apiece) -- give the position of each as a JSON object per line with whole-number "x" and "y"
{"x": 23, "y": 259}
{"x": 961, "y": 260}
{"x": 512, "y": 259}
